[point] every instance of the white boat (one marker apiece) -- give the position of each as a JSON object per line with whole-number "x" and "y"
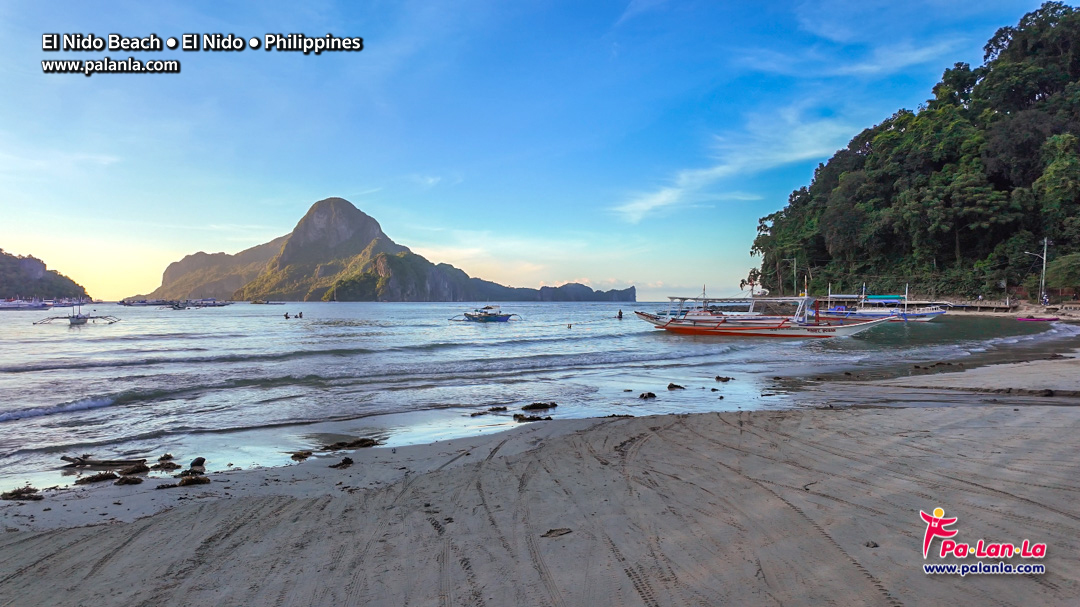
{"x": 208, "y": 302}
{"x": 22, "y": 304}
{"x": 490, "y": 313}
{"x": 77, "y": 318}
{"x": 871, "y": 307}
{"x": 765, "y": 317}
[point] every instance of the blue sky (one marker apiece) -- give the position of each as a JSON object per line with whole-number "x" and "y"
{"x": 530, "y": 143}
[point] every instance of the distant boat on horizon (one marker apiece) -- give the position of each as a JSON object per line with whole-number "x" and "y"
{"x": 22, "y": 304}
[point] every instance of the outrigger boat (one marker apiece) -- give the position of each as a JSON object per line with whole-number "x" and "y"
{"x": 485, "y": 314}
{"x": 78, "y": 318}
{"x": 871, "y": 307}
{"x": 705, "y": 319}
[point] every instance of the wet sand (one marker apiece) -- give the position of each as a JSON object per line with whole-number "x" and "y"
{"x": 1060, "y": 377}
{"x": 805, "y": 506}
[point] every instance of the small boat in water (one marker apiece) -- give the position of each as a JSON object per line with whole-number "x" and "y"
{"x": 208, "y": 302}
{"x": 22, "y": 304}
{"x": 755, "y": 323}
{"x": 77, "y": 318}
{"x": 870, "y": 307}
{"x": 485, "y": 314}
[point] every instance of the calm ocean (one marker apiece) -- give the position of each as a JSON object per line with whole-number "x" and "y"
{"x": 243, "y": 383}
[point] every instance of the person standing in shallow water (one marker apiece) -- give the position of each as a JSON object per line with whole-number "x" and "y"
{"x": 286, "y": 316}
{"x": 620, "y": 315}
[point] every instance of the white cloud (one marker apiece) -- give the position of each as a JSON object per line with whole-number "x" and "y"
{"x": 895, "y": 58}
{"x": 427, "y": 181}
{"x": 51, "y": 163}
{"x": 528, "y": 261}
{"x": 637, "y": 7}
{"x": 769, "y": 141}
{"x": 819, "y": 62}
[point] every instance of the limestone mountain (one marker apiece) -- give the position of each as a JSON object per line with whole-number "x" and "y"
{"x": 338, "y": 252}
{"x": 332, "y": 240}
{"x": 28, "y": 277}
{"x": 217, "y": 275}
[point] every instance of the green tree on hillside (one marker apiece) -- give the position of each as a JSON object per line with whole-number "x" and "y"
{"x": 948, "y": 198}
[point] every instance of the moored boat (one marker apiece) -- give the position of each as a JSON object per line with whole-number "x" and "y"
{"x": 794, "y": 324}
{"x": 488, "y": 313}
{"x": 77, "y": 318}
{"x": 871, "y": 307}
{"x": 208, "y": 302}
{"x": 23, "y": 304}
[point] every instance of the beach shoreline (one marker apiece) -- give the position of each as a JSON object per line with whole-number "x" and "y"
{"x": 738, "y": 506}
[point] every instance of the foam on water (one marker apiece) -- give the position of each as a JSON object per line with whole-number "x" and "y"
{"x": 79, "y": 405}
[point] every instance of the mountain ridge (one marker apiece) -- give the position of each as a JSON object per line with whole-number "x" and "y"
{"x": 338, "y": 252}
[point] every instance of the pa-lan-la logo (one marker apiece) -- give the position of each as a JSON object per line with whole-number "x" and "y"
{"x": 936, "y": 527}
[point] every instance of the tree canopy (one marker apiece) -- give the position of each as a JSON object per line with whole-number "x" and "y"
{"x": 28, "y": 277}
{"x": 948, "y": 198}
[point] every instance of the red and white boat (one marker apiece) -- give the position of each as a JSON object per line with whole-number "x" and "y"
{"x": 706, "y": 316}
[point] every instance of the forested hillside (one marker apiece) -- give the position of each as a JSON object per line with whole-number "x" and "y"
{"x": 27, "y": 277}
{"x": 950, "y": 197}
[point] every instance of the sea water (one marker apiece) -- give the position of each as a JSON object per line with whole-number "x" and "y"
{"x": 244, "y": 383}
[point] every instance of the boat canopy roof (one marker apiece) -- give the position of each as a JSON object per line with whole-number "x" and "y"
{"x": 741, "y": 300}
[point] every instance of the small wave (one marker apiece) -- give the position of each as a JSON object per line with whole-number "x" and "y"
{"x": 132, "y": 397}
{"x": 154, "y": 336}
{"x": 353, "y": 323}
{"x": 228, "y": 358}
{"x": 517, "y": 341}
{"x": 79, "y": 405}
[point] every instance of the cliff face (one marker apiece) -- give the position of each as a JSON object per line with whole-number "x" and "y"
{"x": 338, "y": 252}
{"x": 29, "y": 277}
{"x": 216, "y": 275}
{"x": 332, "y": 240}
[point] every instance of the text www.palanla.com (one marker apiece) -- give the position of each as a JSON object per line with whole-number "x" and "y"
{"x": 981, "y": 568}
{"x": 130, "y": 65}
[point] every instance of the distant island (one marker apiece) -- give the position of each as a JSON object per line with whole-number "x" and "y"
{"x": 339, "y": 253}
{"x": 28, "y": 277}
{"x": 953, "y": 198}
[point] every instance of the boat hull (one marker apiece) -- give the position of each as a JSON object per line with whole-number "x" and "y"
{"x": 488, "y": 318}
{"x": 761, "y": 327}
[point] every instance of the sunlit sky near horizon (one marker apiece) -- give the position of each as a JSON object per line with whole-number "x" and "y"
{"x": 529, "y": 143}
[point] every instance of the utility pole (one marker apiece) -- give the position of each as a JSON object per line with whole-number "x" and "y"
{"x": 1042, "y": 280}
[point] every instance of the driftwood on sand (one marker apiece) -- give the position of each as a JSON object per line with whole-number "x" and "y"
{"x": 100, "y": 463}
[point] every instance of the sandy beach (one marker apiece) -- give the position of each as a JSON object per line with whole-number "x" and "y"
{"x": 1061, "y": 377}
{"x": 804, "y": 506}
